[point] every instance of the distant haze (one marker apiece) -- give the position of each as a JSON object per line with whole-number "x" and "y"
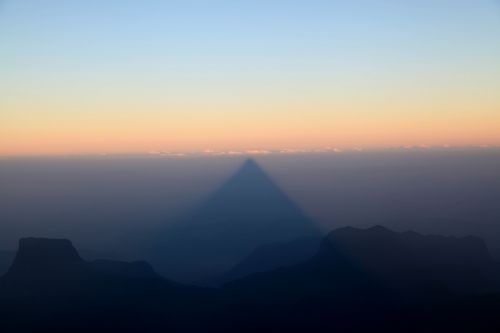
{"x": 109, "y": 203}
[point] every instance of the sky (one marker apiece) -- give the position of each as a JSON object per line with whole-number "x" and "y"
{"x": 91, "y": 77}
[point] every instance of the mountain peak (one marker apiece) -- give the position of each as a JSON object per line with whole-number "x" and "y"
{"x": 381, "y": 247}
{"x": 53, "y": 265}
{"x": 379, "y": 228}
{"x": 45, "y": 251}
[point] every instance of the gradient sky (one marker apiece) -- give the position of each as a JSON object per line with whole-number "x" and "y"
{"x": 135, "y": 76}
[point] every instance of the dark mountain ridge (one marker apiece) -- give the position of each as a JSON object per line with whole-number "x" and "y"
{"x": 360, "y": 279}
{"x": 44, "y": 265}
{"x": 272, "y": 256}
{"x": 390, "y": 261}
{"x": 50, "y": 288}
{"x": 6, "y": 259}
{"x": 379, "y": 280}
{"x": 462, "y": 263}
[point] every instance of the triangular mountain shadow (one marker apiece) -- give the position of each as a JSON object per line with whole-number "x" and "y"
{"x": 246, "y": 212}
{"x": 250, "y": 196}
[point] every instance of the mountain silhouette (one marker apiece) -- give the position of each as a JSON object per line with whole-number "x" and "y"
{"x": 246, "y": 212}
{"x": 363, "y": 279}
{"x": 462, "y": 264}
{"x": 360, "y": 280}
{"x": 379, "y": 265}
{"x": 44, "y": 251}
{"x": 43, "y": 265}
{"x": 6, "y": 259}
{"x": 272, "y": 256}
{"x": 50, "y": 288}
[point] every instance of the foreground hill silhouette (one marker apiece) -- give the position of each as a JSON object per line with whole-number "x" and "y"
{"x": 360, "y": 280}
{"x": 246, "y": 212}
{"x": 272, "y": 256}
{"x": 353, "y": 261}
{"x": 50, "y": 288}
{"x": 43, "y": 264}
{"x": 6, "y": 259}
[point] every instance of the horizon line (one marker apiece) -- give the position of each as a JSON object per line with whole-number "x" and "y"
{"x": 249, "y": 153}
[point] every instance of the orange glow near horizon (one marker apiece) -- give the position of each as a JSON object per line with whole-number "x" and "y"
{"x": 45, "y": 126}
{"x": 306, "y": 130}
{"x": 78, "y": 80}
